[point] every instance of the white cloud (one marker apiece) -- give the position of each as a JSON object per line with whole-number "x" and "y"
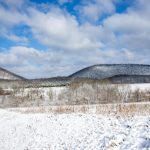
{"x": 132, "y": 29}
{"x": 23, "y": 57}
{"x": 129, "y": 23}
{"x": 61, "y": 30}
{"x": 33, "y": 63}
{"x": 10, "y": 17}
{"x": 95, "y": 9}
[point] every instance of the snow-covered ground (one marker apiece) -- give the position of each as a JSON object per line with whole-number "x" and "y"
{"x": 73, "y": 131}
{"x": 140, "y": 86}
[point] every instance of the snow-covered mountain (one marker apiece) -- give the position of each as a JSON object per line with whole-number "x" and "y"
{"x": 115, "y": 73}
{"x": 104, "y": 71}
{"x": 5, "y": 74}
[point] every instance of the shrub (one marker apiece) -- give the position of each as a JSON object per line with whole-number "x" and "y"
{"x": 1, "y": 91}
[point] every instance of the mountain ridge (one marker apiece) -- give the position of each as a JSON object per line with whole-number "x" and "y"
{"x": 8, "y": 75}
{"x": 101, "y": 71}
{"x": 115, "y": 73}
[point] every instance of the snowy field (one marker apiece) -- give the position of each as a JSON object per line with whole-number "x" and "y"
{"x": 140, "y": 86}
{"x": 47, "y": 131}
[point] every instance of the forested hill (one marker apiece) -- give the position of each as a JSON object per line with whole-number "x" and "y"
{"x": 109, "y": 70}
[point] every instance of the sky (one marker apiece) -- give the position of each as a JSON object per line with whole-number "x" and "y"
{"x": 46, "y": 38}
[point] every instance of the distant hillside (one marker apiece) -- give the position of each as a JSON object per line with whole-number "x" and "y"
{"x": 129, "y": 79}
{"x": 5, "y": 74}
{"x": 114, "y": 73}
{"x": 104, "y": 71}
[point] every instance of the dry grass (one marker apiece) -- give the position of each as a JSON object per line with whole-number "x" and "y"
{"x": 126, "y": 109}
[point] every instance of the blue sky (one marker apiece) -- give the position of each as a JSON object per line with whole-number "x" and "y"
{"x": 45, "y": 38}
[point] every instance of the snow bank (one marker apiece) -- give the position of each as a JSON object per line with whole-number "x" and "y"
{"x": 73, "y": 131}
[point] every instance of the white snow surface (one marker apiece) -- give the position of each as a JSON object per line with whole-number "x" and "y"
{"x": 140, "y": 86}
{"x": 73, "y": 131}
